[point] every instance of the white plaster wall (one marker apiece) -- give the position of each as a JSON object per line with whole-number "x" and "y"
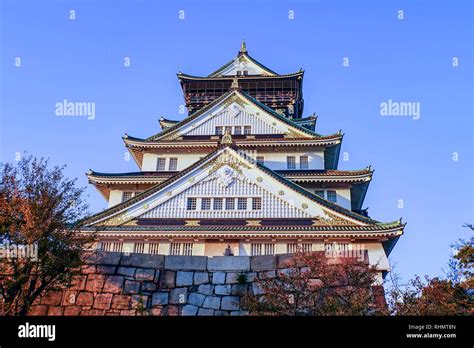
{"x": 115, "y": 197}
{"x": 184, "y": 160}
{"x": 277, "y": 160}
{"x": 343, "y": 195}
{"x": 377, "y": 256}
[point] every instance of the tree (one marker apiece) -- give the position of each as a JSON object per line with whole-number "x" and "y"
{"x": 451, "y": 295}
{"x": 322, "y": 287}
{"x": 39, "y": 208}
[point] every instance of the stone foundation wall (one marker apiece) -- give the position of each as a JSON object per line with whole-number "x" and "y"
{"x": 141, "y": 284}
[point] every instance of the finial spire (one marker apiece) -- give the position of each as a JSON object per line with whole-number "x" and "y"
{"x": 243, "y": 47}
{"x": 235, "y": 83}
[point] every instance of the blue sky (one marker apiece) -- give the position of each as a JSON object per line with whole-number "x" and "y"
{"x": 409, "y": 60}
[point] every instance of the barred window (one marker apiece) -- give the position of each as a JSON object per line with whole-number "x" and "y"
{"x": 319, "y": 193}
{"x": 260, "y": 160}
{"x": 269, "y": 249}
{"x": 229, "y": 203}
{"x": 291, "y": 248}
{"x": 153, "y": 248}
{"x": 247, "y": 130}
{"x": 161, "y": 164}
{"x": 173, "y": 165}
{"x": 218, "y": 202}
{"x": 332, "y": 196}
{"x": 117, "y": 247}
{"x": 206, "y": 204}
{"x": 106, "y": 246}
{"x": 187, "y": 249}
{"x": 237, "y": 130}
{"x": 256, "y": 249}
{"x": 139, "y": 248}
{"x": 242, "y": 203}
{"x": 191, "y": 203}
{"x": 291, "y": 162}
{"x": 306, "y": 247}
{"x": 175, "y": 248}
{"x": 126, "y": 196}
{"x": 218, "y": 130}
{"x": 304, "y": 162}
{"x": 256, "y": 203}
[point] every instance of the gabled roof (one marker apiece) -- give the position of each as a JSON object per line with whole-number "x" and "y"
{"x": 242, "y": 54}
{"x": 221, "y": 99}
{"x": 111, "y": 212}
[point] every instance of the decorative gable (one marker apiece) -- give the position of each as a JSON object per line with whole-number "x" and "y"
{"x": 243, "y": 65}
{"x": 237, "y": 113}
{"x": 227, "y": 173}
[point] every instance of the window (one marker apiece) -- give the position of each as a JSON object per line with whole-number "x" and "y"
{"x": 206, "y": 204}
{"x": 218, "y": 130}
{"x": 269, "y": 249}
{"x": 319, "y": 193}
{"x": 256, "y": 203}
{"x": 239, "y": 73}
{"x": 153, "y": 248}
{"x": 331, "y": 196}
{"x": 245, "y": 72}
{"x": 237, "y": 130}
{"x": 291, "y": 248}
{"x": 306, "y": 247}
{"x": 117, "y": 247}
{"x": 242, "y": 203}
{"x": 260, "y": 160}
{"x": 291, "y": 162}
{"x": 173, "y": 165}
{"x": 229, "y": 203}
{"x": 126, "y": 196}
{"x": 191, "y": 204}
{"x": 218, "y": 202}
{"x": 161, "y": 164}
{"x": 106, "y": 246}
{"x": 139, "y": 248}
{"x": 175, "y": 248}
{"x": 304, "y": 162}
{"x": 247, "y": 130}
{"x": 187, "y": 248}
{"x": 256, "y": 249}
{"x": 181, "y": 249}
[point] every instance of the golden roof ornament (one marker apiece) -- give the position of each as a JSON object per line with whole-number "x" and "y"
{"x": 243, "y": 47}
{"x": 235, "y": 83}
{"x": 226, "y": 138}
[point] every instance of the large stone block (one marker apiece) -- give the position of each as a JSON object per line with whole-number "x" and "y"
{"x": 143, "y": 260}
{"x": 85, "y": 299}
{"x": 147, "y": 274}
{"x": 189, "y": 310}
{"x": 201, "y": 278}
{"x": 218, "y": 278}
{"x": 103, "y": 258}
{"x": 257, "y": 289}
{"x": 72, "y": 311}
{"x": 103, "y": 301}
{"x": 205, "y": 289}
{"x": 95, "y": 282}
{"x": 239, "y": 289}
{"x": 126, "y": 271}
{"x": 196, "y": 299}
{"x": 186, "y": 263}
{"x": 167, "y": 279}
{"x": 159, "y": 299}
{"x": 52, "y": 298}
{"x": 184, "y": 278}
{"x": 120, "y": 302}
{"x": 78, "y": 282}
{"x": 139, "y": 301}
{"x": 229, "y": 263}
{"x": 105, "y": 269}
{"x": 206, "y": 312}
{"x": 263, "y": 263}
{"x": 179, "y": 295}
{"x": 69, "y": 298}
{"x": 131, "y": 287}
{"x": 213, "y": 302}
{"x": 38, "y": 310}
{"x": 230, "y": 303}
{"x": 288, "y": 261}
{"x": 222, "y": 289}
{"x": 114, "y": 284}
